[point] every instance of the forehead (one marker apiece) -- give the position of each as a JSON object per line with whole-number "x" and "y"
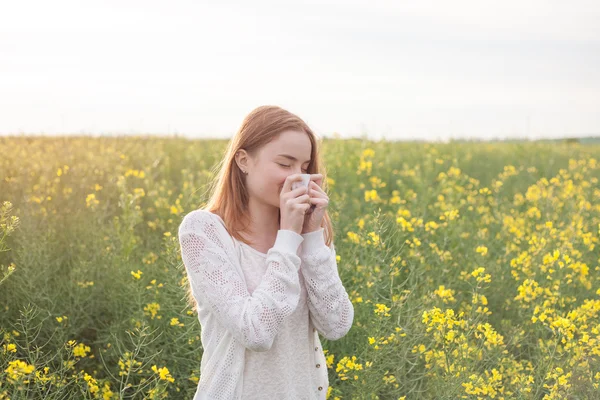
{"x": 294, "y": 143}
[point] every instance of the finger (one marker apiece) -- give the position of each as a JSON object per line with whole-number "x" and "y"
{"x": 316, "y": 189}
{"x": 298, "y": 191}
{"x": 304, "y": 207}
{"x": 304, "y": 199}
{"x": 319, "y": 203}
{"x": 317, "y": 178}
{"x": 287, "y": 185}
{"x": 317, "y": 195}
{"x": 315, "y": 185}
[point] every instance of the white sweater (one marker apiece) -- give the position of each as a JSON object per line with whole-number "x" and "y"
{"x": 261, "y": 314}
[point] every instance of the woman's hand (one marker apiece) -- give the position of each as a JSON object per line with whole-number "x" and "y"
{"x": 319, "y": 201}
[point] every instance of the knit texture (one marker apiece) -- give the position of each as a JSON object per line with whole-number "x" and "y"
{"x": 261, "y": 314}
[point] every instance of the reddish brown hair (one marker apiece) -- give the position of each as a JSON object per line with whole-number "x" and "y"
{"x": 228, "y": 192}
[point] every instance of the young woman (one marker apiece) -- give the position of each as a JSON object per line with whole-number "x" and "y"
{"x": 261, "y": 265}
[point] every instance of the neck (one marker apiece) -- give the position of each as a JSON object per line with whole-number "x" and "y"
{"x": 264, "y": 221}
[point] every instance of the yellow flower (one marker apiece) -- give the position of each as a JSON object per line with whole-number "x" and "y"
{"x": 374, "y": 238}
{"x": 382, "y": 309}
{"x": 481, "y": 277}
{"x": 136, "y": 173}
{"x": 80, "y": 350}
{"x": 128, "y": 364}
{"x": 163, "y": 373}
{"x": 403, "y": 212}
{"x": 368, "y": 152}
{"x": 18, "y": 369}
{"x": 107, "y": 394}
{"x": 447, "y": 295}
{"x": 354, "y": 238}
{"x": 9, "y": 348}
{"x": 361, "y": 223}
{"x": 371, "y": 195}
{"x": 90, "y": 200}
{"x": 92, "y": 383}
{"x": 152, "y": 310}
{"x": 137, "y": 275}
{"x": 481, "y": 250}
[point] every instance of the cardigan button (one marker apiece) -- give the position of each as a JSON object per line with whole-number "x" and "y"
{"x": 320, "y": 387}
{"x": 316, "y": 348}
{"x": 318, "y": 365}
{"x": 314, "y": 329}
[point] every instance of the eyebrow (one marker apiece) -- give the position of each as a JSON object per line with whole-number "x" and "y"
{"x": 291, "y": 157}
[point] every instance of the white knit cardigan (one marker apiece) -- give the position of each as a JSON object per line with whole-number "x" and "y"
{"x": 232, "y": 320}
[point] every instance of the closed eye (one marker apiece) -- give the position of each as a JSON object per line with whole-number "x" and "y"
{"x": 287, "y": 166}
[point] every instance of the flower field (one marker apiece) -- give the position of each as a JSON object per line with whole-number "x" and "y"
{"x": 474, "y": 268}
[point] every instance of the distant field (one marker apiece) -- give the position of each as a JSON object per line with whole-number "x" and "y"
{"x": 474, "y": 268}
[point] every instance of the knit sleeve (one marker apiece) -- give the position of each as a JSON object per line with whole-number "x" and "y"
{"x": 331, "y": 310}
{"x": 254, "y": 320}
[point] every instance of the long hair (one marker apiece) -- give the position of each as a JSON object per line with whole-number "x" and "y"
{"x": 228, "y": 192}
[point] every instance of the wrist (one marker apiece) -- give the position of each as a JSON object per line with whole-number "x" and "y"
{"x": 288, "y": 240}
{"x": 313, "y": 240}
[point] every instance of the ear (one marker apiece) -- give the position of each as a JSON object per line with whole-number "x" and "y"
{"x": 241, "y": 159}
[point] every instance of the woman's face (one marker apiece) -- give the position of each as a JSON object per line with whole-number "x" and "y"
{"x": 286, "y": 155}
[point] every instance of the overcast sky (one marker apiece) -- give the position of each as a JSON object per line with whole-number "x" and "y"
{"x": 391, "y": 69}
